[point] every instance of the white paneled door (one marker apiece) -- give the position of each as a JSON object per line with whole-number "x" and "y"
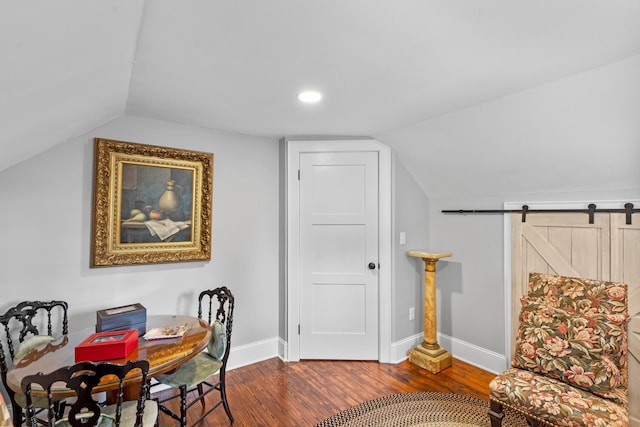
{"x": 339, "y": 255}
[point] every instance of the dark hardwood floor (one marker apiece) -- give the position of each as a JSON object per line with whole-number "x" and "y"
{"x": 273, "y": 393}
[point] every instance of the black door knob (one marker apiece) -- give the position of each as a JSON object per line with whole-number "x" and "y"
{"x": 372, "y": 266}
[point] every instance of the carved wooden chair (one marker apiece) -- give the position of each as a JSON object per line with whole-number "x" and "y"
{"x": 44, "y": 316}
{"x": 570, "y": 364}
{"x": 197, "y": 373}
{"x": 85, "y": 411}
{"x": 26, "y": 326}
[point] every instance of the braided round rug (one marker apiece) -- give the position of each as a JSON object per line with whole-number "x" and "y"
{"x": 425, "y": 409}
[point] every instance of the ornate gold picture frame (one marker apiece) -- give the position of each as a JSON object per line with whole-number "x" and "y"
{"x": 151, "y": 204}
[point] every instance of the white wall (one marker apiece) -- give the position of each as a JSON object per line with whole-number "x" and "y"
{"x": 410, "y": 216}
{"x": 45, "y": 250}
{"x": 46, "y": 210}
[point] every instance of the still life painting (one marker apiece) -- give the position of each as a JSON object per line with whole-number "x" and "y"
{"x": 151, "y": 204}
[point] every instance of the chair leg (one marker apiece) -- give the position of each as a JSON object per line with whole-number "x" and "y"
{"x": 223, "y": 395}
{"x": 496, "y": 413}
{"x": 201, "y": 394}
{"x": 17, "y": 414}
{"x": 59, "y": 407}
{"x": 183, "y": 406}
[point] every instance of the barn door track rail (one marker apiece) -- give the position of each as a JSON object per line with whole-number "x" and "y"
{"x": 591, "y": 211}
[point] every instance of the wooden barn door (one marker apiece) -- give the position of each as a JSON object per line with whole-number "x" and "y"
{"x": 561, "y": 244}
{"x": 625, "y": 267}
{"x": 566, "y": 244}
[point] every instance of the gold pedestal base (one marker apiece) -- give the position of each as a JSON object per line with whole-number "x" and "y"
{"x": 433, "y": 361}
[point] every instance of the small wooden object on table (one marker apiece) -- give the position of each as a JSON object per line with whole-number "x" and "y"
{"x": 430, "y": 355}
{"x": 107, "y": 346}
{"x": 132, "y": 316}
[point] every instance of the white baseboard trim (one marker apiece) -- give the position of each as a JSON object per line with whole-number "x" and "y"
{"x": 471, "y": 353}
{"x": 248, "y": 354}
{"x": 283, "y": 349}
{"x": 276, "y": 347}
{"x": 461, "y": 350}
{"x": 400, "y": 349}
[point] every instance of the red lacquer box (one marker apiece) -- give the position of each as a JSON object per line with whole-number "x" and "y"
{"x": 107, "y": 345}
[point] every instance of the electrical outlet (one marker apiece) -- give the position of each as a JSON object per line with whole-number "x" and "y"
{"x": 412, "y": 313}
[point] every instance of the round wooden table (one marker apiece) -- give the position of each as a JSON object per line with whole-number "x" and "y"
{"x": 164, "y": 355}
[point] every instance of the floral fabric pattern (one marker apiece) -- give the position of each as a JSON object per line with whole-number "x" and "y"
{"x": 586, "y": 350}
{"x": 578, "y": 295}
{"x": 570, "y": 361}
{"x": 554, "y": 401}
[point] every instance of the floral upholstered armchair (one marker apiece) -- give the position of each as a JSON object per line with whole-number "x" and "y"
{"x": 570, "y": 364}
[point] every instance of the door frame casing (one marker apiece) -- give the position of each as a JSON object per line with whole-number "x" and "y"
{"x": 293, "y": 149}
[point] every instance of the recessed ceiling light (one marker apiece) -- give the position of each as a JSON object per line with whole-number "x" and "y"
{"x": 309, "y": 96}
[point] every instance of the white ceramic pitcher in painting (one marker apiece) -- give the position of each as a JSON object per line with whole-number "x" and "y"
{"x": 170, "y": 199}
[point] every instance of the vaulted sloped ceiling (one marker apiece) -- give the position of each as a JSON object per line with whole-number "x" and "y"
{"x": 71, "y": 65}
{"x": 381, "y": 64}
{"x": 65, "y": 69}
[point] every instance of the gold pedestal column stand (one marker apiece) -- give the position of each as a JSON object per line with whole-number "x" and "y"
{"x": 429, "y": 355}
